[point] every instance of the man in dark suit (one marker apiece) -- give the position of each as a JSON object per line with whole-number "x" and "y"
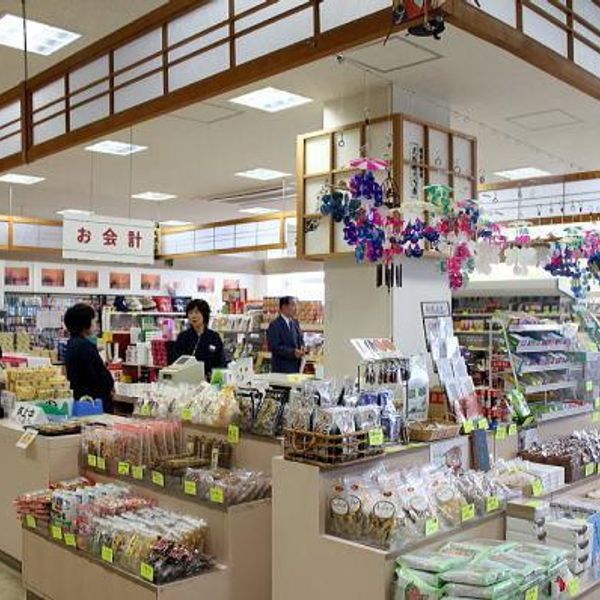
{"x": 286, "y": 341}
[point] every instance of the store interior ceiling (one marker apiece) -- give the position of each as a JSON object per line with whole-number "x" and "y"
{"x": 521, "y": 116}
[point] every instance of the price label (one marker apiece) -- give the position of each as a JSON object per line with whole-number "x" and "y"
{"x": 186, "y": 414}
{"x": 107, "y": 336}
{"x": 27, "y": 439}
{"x": 482, "y": 423}
{"x": 595, "y": 417}
{"x": 528, "y": 421}
{"x": 532, "y": 593}
{"x": 468, "y": 513}
{"x": 217, "y": 495}
{"x": 492, "y": 504}
{"x": 137, "y": 472}
{"x": 468, "y": 427}
{"x": 146, "y": 410}
{"x": 107, "y": 554}
{"x": 233, "y": 434}
{"x": 574, "y": 587}
{"x": 56, "y": 532}
{"x": 589, "y": 386}
{"x": 92, "y": 460}
{"x": 590, "y": 468}
{"x": 597, "y": 403}
{"x": 501, "y": 432}
{"x": 376, "y": 437}
{"x": 537, "y": 488}
{"x": 123, "y": 468}
{"x": 189, "y": 487}
{"x": 70, "y": 540}
{"x": 432, "y": 526}
{"x": 158, "y": 478}
{"x": 598, "y": 468}
{"x": 147, "y": 571}
{"x": 512, "y": 429}
{"x": 30, "y": 521}
{"x": 535, "y": 504}
{"x": 101, "y": 463}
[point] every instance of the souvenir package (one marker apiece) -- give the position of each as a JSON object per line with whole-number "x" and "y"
{"x": 269, "y": 415}
{"x": 409, "y": 585}
{"x": 347, "y": 515}
{"x": 248, "y": 402}
{"x": 236, "y": 486}
{"x": 449, "y": 500}
{"x": 434, "y": 562}
{"x": 299, "y": 410}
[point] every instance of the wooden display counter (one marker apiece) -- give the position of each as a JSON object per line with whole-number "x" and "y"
{"x": 52, "y": 571}
{"x": 47, "y": 459}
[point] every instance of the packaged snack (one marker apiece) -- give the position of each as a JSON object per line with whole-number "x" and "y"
{"x": 491, "y": 592}
{"x": 434, "y": 562}
{"x": 485, "y": 573}
{"x": 409, "y": 585}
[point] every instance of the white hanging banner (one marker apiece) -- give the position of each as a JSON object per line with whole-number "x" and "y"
{"x": 108, "y": 239}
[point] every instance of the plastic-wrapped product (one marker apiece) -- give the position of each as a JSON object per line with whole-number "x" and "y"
{"x": 435, "y": 562}
{"x": 448, "y": 499}
{"x": 409, "y": 585}
{"x": 269, "y": 415}
{"x": 489, "y": 592}
{"x": 383, "y": 517}
{"x": 298, "y": 411}
{"x": 484, "y": 573}
{"x": 367, "y": 417}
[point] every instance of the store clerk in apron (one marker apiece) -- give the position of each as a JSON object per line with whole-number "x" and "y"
{"x": 200, "y": 341}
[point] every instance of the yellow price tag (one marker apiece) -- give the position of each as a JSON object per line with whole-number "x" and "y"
{"x": 532, "y": 593}
{"x": 101, "y": 463}
{"x": 147, "y": 571}
{"x": 595, "y": 417}
{"x": 468, "y": 427}
{"x": 92, "y": 460}
{"x": 137, "y": 472}
{"x": 107, "y": 336}
{"x": 158, "y": 478}
{"x": 30, "y": 521}
{"x": 597, "y": 403}
{"x": 233, "y": 434}
{"x": 217, "y": 495}
{"x": 56, "y": 532}
{"x": 146, "y": 410}
{"x": 189, "y": 487}
{"x": 186, "y": 414}
{"x": 512, "y": 429}
{"x": 468, "y": 513}
{"x": 376, "y": 437}
{"x": 70, "y": 540}
{"x": 492, "y": 504}
{"x": 107, "y": 554}
{"x": 432, "y": 526}
{"x": 574, "y": 587}
{"x": 537, "y": 488}
{"x": 482, "y": 423}
{"x": 501, "y": 432}
{"x": 590, "y": 468}
{"x": 597, "y": 468}
{"x": 123, "y": 468}
{"x": 589, "y": 386}
{"x": 535, "y": 504}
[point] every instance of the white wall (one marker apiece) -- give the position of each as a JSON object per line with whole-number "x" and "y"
{"x": 305, "y": 286}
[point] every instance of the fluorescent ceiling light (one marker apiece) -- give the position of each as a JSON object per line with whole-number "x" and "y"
{"x": 174, "y": 223}
{"x": 117, "y": 148}
{"x": 522, "y": 173}
{"x": 154, "y": 196}
{"x": 74, "y": 212}
{"x": 271, "y": 100}
{"x": 21, "y": 179}
{"x": 41, "y": 38}
{"x": 258, "y": 210}
{"x": 262, "y": 174}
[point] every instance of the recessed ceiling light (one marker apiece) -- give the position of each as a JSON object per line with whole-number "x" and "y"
{"x": 271, "y": 99}
{"x": 117, "y": 148}
{"x": 154, "y": 196}
{"x": 41, "y": 38}
{"x": 21, "y": 179}
{"x": 174, "y": 223}
{"x": 258, "y": 210}
{"x": 262, "y": 174}
{"x": 522, "y": 173}
{"x": 74, "y": 212}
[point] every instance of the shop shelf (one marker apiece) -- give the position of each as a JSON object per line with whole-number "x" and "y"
{"x": 544, "y": 368}
{"x": 564, "y": 414}
{"x": 544, "y": 348}
{"x": 535, "y": 327}
{"x": 550, "y": 387}
{"x": 475, "y": 332}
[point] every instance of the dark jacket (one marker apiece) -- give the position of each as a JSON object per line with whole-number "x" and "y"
{"x": 283, "y": 341}
{"x": 208, "y": 348}
{"x": 87, "y": 373}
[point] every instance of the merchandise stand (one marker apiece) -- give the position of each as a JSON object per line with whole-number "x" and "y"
{"x": 239, "y": 536}
{"x": 52, "y": 571}
{"x": 47, "y": 459}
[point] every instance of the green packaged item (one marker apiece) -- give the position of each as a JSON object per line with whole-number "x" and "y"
{"x": 477, "y": 548}
{"x": 409, "y": 586}
{"x": 485, "y": 573}
{"x": 432, "y": 579}
{"x": 518, "y": 403}
{"x": 435, "y": 562}
{"x": 488, "y": 592}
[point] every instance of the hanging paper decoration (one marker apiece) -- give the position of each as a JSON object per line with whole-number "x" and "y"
{"x": 364, "y": 163}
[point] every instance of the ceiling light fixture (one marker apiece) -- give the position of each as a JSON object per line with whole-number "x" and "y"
{"x": 262, "y": 174}
{"x": 116, "y": 148}
{"x": 74, "y": 212}
{"x": 21, "y": 179}
{"x": 258, "y": 210}
{"x": 41, "y": 38}
{"x": 271, "y": 100}
{"x": 174, "y": 223}
{"x": 154, "y": 196}
{"x": 522, "y": 173}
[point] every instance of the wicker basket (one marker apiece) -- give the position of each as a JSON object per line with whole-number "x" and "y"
{"x": 321, "y": 448}
{"x": 443, "y": 430}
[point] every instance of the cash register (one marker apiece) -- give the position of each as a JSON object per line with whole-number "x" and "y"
{"x": 186, "y": 369}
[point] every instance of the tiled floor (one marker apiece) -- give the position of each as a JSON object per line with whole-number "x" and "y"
{"x": 10, "y": 584}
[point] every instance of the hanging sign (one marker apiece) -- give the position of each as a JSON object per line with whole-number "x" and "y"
{"x": 108, "y": 239}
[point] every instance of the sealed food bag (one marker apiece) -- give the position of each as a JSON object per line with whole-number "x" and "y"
{"x": 434, "y": 562}
{"x": 449, "y": 501}
{"x": 367, "y": 417}
{"x": 484, "y": 573}
{"x": 418, "y": 505}
{"x": 340, "y": 520}
{"x": 269, "y": 415}
{"x": 383, "y": 517}
{"x": 489, "y": 592}
{"x": 409, "y": 585}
